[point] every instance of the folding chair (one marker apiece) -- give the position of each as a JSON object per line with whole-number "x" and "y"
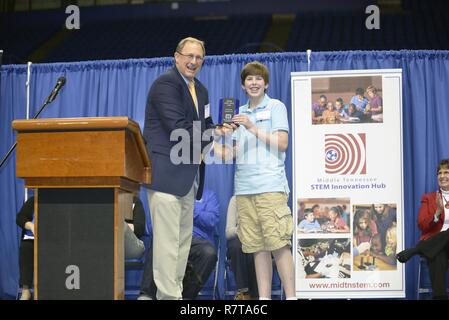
{"x": 424, "y": 286}
{"x": 134, "y": 272}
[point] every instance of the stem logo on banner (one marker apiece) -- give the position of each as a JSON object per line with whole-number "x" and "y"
{"x": 348, "y": 183}
{"x": 345, "y": 153}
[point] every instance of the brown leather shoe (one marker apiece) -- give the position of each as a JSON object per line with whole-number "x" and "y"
{"x": 26, "y": 295}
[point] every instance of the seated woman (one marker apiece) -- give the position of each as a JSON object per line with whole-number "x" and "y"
{"x": 433, "y": 221}
{"x": 25, "y": 220}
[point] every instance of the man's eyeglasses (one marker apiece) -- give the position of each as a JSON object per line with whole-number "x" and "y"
{"x": 191, "y": 56}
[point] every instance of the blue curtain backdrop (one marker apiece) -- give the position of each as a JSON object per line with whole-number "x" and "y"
{"x": 119, "y": 88}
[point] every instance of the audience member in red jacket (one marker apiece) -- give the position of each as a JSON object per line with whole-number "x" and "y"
{"x": 433, "y": 220}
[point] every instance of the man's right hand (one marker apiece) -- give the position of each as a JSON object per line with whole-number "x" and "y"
{"x": 225, "y": 129}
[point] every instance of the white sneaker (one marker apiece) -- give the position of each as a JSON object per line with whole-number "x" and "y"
{"x": 144, "y": 296}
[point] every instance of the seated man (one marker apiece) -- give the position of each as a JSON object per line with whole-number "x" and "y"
{"x": 202, "y": 256}
{"x": 134, "y": 247}
{"x": 134, "y": 230}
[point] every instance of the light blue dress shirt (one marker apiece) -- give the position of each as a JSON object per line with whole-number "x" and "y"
{"x": 258, "y": 168}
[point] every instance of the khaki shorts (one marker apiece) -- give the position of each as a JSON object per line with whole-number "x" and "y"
{"x": 265, "y": 222}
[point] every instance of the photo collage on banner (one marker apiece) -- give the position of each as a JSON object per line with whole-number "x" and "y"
{"x": 347, "y": 183}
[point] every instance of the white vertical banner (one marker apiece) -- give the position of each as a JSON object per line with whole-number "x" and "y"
{"x": 348, "y": 183}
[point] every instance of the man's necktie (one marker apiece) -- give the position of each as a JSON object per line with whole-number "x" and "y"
{"x": 193, "y": 94}
{"x": 195, "y": 102}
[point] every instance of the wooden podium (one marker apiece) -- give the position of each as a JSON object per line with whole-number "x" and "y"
{"x": 85, "y": 171}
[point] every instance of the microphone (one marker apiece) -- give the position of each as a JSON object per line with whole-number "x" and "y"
{"x": 54, "y": 93}
{"x": 309, "y": 53}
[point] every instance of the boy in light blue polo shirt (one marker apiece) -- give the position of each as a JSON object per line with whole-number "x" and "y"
{"x": 260, "y": 167}
{"x": 265, "y": 223}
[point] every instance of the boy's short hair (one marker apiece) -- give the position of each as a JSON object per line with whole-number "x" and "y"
{"x": 307, "y": 212}
{"x": 359, "y": 91}
{"x": 255, "y": 68}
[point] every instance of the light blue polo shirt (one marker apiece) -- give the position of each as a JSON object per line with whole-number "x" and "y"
{"x": 258, "y": 168}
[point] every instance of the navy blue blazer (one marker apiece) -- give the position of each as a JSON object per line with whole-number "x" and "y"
{"x": 169, "y": 107}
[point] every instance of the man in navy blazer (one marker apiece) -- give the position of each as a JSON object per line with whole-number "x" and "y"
{"x": 176, "y": 112}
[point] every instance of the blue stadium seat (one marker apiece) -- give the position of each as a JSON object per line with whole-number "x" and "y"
{"x": 134, "y": 272}
{"x": 230, "y": 287}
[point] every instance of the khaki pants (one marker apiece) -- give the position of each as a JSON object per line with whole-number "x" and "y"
{"x": 172, "y": 221}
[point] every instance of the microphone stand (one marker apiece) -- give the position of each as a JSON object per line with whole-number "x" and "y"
{"x": 47, "y": 102}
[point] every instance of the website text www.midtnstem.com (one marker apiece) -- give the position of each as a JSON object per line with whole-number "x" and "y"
{"x": 352, "y": 285}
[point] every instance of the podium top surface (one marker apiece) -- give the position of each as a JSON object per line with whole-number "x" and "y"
{"x": 81, "y": 148}
{"x": 84, "y": 124}
{"x": 59, "y": 124}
